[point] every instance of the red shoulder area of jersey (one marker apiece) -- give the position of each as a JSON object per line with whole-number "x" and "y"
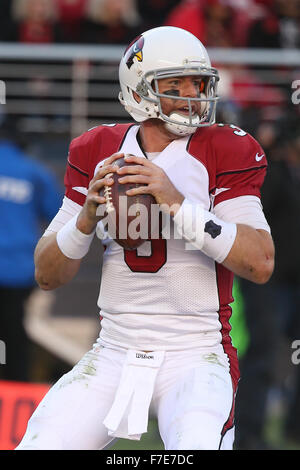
{"x": 85, "y": 152}
{"x": 235, "y": 161}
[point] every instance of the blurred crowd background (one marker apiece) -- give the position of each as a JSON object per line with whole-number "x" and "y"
{"x": 218, "y": 23}
{"x": 50, "y": 100}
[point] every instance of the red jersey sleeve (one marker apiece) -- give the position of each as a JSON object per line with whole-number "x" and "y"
{"x": 241, "y": 165}
{"x": 85, "y": 152}
{"x": 77, "y": 174}
{"x": 235, "y": 162}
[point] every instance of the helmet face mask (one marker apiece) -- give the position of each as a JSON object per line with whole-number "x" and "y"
{"x": 205, "y": 102}
{"x": 155, "y": 56}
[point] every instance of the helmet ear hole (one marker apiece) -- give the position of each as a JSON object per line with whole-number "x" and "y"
{"x": 136, "y": 97}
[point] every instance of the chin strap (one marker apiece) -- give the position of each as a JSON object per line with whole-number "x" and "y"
{"x": 181, "y": 129}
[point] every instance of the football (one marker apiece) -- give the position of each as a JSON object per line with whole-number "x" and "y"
{"x": 128, "y": 217}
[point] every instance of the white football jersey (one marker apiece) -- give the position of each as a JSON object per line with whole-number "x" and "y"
{"x": 166, "y": 295}
{"x": 150, "y": 299}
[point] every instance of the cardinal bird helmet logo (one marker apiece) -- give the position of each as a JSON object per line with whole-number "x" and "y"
{"x": 135, "y": 49}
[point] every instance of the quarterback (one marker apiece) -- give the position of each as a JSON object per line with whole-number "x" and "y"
{"x": 164, "y": 345}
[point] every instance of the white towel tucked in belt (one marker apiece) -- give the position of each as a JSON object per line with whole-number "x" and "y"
{"x": 128, "y": 416}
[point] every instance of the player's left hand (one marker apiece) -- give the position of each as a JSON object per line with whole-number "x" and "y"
{"x": 155, "y": 181}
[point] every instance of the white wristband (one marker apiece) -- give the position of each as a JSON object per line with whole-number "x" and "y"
{"x": 72, "y": 242}
{"x": 205, "y": 231}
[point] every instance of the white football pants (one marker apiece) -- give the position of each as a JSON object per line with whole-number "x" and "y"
{"x": 190, "y": 392}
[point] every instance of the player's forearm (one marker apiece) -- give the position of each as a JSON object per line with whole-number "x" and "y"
{"x": 58, "y": 256}
{"x": 252, "y": 255}
{"x": 52, "y": 268}
{"x": 247, "y": 252}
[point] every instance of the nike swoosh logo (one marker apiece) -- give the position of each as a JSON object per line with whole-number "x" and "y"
{"x": 259, "y": 157}
{"x": 219, "y": 190}
{"x": 80, "y": 189}
{"x": 215, "y": 193}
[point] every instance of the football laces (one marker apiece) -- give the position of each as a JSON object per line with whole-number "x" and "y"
{"x": 108, "y": 196}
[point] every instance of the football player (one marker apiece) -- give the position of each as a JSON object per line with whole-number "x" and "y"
{"x": 164, "y": 344}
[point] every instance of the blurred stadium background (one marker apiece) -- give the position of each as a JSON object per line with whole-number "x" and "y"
{"x": 55, "y": 90}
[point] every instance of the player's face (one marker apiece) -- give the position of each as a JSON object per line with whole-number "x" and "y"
{"x": 190, "y": 87}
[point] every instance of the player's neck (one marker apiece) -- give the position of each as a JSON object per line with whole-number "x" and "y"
{"x": 154, "y": 137}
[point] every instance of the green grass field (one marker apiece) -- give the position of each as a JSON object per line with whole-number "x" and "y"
{"x": 149, "y": 441}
